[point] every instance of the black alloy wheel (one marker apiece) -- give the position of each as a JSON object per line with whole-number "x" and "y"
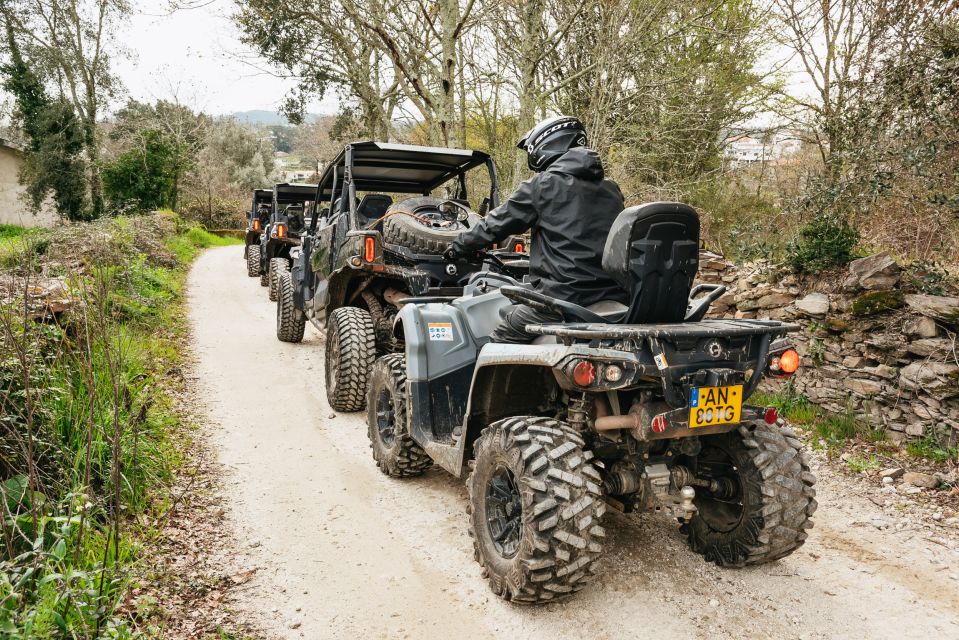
{"x": 504, "y": 511}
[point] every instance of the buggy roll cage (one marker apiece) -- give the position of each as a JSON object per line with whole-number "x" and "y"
{"x": 260, "y": 196}
{"x": 288, "y": 193}
{"x": 397, "y": 168}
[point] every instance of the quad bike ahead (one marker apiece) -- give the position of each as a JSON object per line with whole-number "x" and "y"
{"x": 280, "y": 240}
{"x": 642, "y": 407}
{"x": 364, "y": 252}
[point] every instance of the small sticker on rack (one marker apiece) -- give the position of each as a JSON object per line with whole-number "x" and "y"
{"x": 442, "y": 331}
{"x": 660, "y": 359}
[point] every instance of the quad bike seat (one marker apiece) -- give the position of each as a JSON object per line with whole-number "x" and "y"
{"x": 652, "y": 251}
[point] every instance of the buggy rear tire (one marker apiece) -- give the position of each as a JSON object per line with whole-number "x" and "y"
{"x": 536, "y": 505}
{"x": 775, "y": 497}
{"x": 253, "y": 260}
{"x": 350, "y": 351}
{"x": 409, "y": 232}
{"x": 394, "y": 450}
{"x": 277, "y": 266}
{"x": 290, "y": 321}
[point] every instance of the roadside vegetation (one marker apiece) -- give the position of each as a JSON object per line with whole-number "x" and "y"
{"x": 91, "y": 323}
{"x": 834, "y": 433}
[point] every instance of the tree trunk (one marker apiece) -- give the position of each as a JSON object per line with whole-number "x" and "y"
{"x": 446, "y": 104}
{"x": 531, "y": 19}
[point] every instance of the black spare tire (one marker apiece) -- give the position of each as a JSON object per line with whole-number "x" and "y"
{"x": 427, "y": 232}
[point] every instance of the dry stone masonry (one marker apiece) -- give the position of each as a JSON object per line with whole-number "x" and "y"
{"x": 869, "y": 344}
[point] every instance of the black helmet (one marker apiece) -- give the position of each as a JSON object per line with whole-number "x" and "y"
{"x": 550, "y": 139}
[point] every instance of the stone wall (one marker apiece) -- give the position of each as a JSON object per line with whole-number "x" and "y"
{"x": 869, "y": 344}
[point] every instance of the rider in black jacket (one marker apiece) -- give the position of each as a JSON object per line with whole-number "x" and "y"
{"x": 569, "y": 207}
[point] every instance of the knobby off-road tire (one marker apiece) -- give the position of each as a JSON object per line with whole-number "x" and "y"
{"x": 277, "y": 266}
{"x": 350, "y": 351}
{"x": 395, "y": 452}
{"x": 555, "y": 513}
{"x": 253, "y": 260}
{"x": 775, "y": 492}
{"x": 409, "y": 232}
{"x": 290, "y": 321}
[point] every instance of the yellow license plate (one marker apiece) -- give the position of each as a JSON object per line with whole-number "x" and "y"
{"x": 709, "y": 406}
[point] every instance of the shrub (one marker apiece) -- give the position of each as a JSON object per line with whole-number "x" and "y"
{"x": 825, "y": 242}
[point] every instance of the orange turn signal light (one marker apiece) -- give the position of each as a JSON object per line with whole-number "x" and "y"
{"x": 279, "y": 231}
{"x": 789, "y": 361}
{"x": 519, "y": 248}
{"x": 785, "y": 363}
{"x": 256, "y": 224}
{"x": 369, "y": 249}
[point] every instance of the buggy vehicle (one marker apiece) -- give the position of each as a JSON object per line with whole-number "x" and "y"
{"x": 639, "y": 406}
{"x": 258, "y": 218}
{"x": 292, "y": 208}
{"x": 379, "y": 238}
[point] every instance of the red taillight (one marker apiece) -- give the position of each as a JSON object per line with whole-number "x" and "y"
{"x": 256, "y": 224}
{"x": 584, "y": 373}
{"x": 369, "y": 249}
{"x": 659, "y": 424}
{"x": 771, "y": 416}
{"x": 519, "y": 248}
{"x": 279, "y": 231}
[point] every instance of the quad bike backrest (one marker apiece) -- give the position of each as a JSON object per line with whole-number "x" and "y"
{"x": 652, "y": 251}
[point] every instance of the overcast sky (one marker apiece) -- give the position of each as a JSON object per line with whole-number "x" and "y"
{"x": 196, "y": 54}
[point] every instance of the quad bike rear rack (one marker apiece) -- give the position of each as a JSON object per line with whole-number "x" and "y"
{"x": 701, "y": 329}
{"x": 654, "y": 334}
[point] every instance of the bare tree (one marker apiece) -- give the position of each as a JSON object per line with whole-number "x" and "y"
{"x": 323, "y": 47}
{"x": 836, "y": 45}
{"x": 421, "y": 42}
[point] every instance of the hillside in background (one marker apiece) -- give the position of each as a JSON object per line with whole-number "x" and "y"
{"x": 269, "y": 118}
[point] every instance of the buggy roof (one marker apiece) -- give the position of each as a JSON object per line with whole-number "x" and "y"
{"x": 286, "y": 193}
{"x": 399, "y": 168}
{"x": 262, "y": 196}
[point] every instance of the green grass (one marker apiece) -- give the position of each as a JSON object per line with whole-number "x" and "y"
{"x": 859, "y": 464}
{"x": 794, "y": 407}
{"x": 8, "y": 231}
{"x": 187, "y": 245}
{"x": 930, "y": 449}
{"x": 18, "y": 243}
{"x": 106, "y": 365}
{"x": 832, "y": 429}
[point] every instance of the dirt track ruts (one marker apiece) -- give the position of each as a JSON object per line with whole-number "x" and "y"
{"x": 342, "y": 551}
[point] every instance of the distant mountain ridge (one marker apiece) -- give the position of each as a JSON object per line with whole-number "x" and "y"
{"x": 269, "y": 118}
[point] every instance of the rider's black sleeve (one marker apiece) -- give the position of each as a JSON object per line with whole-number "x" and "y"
{"x": 516, "y": 215}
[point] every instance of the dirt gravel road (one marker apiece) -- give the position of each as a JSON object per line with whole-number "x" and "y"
{"x": 342, "y": 551}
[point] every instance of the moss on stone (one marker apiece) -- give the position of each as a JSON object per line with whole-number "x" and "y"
{"x": 837, "y": 325}
{"x": 873, "y": 302}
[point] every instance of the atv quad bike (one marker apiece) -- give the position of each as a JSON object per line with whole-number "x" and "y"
{"x": 292, "y": 206}
{"x": 258, "y": 218}
{"x": 366, "y": 252}
{"x": 642, "y": 407}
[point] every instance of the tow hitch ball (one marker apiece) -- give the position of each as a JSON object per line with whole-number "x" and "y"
{"x": 674, "y": 488}
{"x": 662, "y": 485}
